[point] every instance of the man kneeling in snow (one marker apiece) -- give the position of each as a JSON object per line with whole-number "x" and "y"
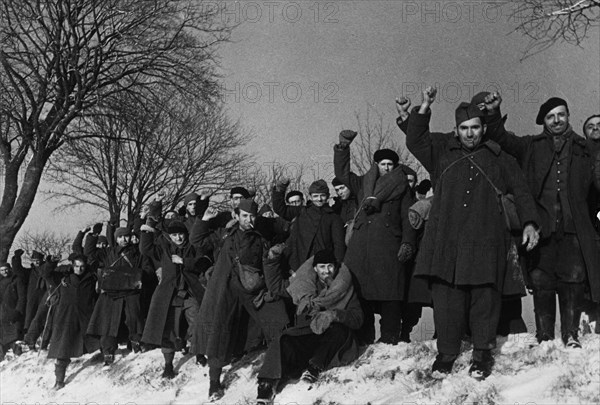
{"x": 327, "y": 312}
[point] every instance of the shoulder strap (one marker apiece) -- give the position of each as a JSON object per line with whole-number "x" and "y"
{"x": 456, "y": 161}
{"x": 496, "y": 189}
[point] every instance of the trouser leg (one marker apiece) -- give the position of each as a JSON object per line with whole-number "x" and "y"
{"x": 484, "y": 313}
{"x": 60, "y": 369}
{"x": 449, "y": 316}
{"x": 544, "y": 303}
{"x": 570, "y": 298}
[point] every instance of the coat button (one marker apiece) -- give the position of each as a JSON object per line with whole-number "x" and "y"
{"x": 464, "y": 205}
{"x": 468, "y": 191}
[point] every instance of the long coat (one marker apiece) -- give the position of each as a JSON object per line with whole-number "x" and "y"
{"x": 71, "y": 314}
{"x": 106, "y": 318}
{"x": 372, "y": 251}
{"x": 192, "y": 270}
{"x": 535, "y": 158}
{"x": 221, "y": 324}
{"x": 314, "y": 229}
{"x": 12, "y": 305}
{"x": 466, "y": 240}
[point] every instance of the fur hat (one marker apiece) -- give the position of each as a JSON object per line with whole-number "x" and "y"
{"x": 548, "y": 106}
{"x": 383, "y": 154}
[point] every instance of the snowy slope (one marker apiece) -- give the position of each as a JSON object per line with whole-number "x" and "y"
{"x": 543, "y": 374}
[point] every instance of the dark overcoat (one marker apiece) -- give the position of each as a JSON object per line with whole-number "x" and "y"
{"x": 72, "y": 312}
{"x": 194, "y": 266}
{"x": 314, "y": 229}
{"x": 372, "y": 254}
{"x": 221, "y": 324}
{"x": 12, "y": 305}
{"x": 106, "y": 317}
{"x": 535, "y": 158}
{"x": 466, "y": 241}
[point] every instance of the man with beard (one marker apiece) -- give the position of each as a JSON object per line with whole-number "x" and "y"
{"x": 558, "y": 167}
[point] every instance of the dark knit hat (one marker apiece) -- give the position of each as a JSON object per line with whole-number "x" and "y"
{"x": 176, "y": 227}
{"x": 293, "y": 193}
{"x": 102, "y": 239}
{"x": 239, "y": 190}
{"x": 189, "y": 198}
{"x": 336, "y": 182}
{"x": 265, "y": 208}
{"x": 548, "y": 106}
{"x": 35, "y": 255}
{"x": 324, "y": 256}
{"x": 467, "y": 111}
{"x": 319, "y": 186}
{"x": 383, "y": 154}
{"x": 423, "y": 187}
{"x": 122, "y": 231}
{"x": 248, "y": 205}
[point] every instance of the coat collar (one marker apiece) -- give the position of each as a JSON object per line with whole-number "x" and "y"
{"x": 489, "y": 144}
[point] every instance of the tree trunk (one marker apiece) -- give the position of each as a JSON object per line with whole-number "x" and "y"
{"x": 20, "y": 204}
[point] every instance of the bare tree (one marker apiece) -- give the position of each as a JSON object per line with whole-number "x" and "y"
{"x": 169, "y": 144}
{"x": 261, "y": 178}
{"x": 61, "y": 58}
{"x": 374, "y": 133}
{"x": 547, "y": 22}
{"x": 46, "y": 242}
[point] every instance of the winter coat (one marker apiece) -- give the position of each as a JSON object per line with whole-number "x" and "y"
{"x": 534, "y": 155}
{"x": 72, "y": 312}
{"x": 35, "y": 288}
{"x": 346, "y": 209}
{"x": 160, "y": 249}
{"x": 466, "y": 240}
{"x": 12, "y": 308}
{"x": 376, "y": 239}
{"x": 106, "y": 318}
{"x": 314, "y": 229}
{"x": 221, "y": 323}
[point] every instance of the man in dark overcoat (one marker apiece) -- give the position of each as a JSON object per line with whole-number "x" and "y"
{"x": 179, "y": 292}
{"x": 464, "y": 249}
{"x": 345, "y": 203}
{"x": 12, "y": 308}
{"x": 382, "y": 238}
{"x": 222, "y": 322}
{"x": 558, "y": 165}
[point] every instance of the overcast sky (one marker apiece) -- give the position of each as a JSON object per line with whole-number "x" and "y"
{"x": 298, "y": 71}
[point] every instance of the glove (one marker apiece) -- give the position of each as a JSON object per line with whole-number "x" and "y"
{"x": 371, "y": 206}
{"x": 406, "y": 252}
{"x": 97, "y": 229}
{"x": 19, "y": 252}
{"x": 321, "y": 321}
{"x": 276, "y": 251}
{"x": 16, "y": 316}
{"x": 347, "y": 136}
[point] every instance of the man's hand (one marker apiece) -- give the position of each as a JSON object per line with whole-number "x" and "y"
{"x": 276, "y": 251}
{"x": 322, "y": 321}
{"x": 97, "y": 228}
{"x": 427, "y": 98}
{"x": 282, "y": 184}
{"x": 205, "y": 194}
{"x": 492, "y": 102}
{"x": 531, "y": 237}
{"x": 210, "y": 213}
{"x": 176, "y": 259}
{"x": 19, "y": 252}
{"x": 347, "y": 136}
{"x": 402, "y": 106}
{"x": 146, "y": 228}
{"x": 144, "y": 211}
{"x": 158, "y": 273}
{"x": 406, "y": 252}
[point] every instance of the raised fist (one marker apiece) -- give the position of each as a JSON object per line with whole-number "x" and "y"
{"x": 347, "y": 136}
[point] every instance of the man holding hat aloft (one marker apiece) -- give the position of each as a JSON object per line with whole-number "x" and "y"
{"x": 236, "y": 293}
{"x": 382, "y": 239}
{"x": 466, "y": 240}
{"x": 327, "y": 314}
{"x": 180, "y": 289}
{"x": 316, "y": 226}
{"x": 120, "y": 286}
{"x": 558, "y": 165}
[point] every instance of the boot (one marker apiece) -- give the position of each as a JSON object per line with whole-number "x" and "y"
{"x": 60, "y": 369}
{"x": 443, "y": 363}
{"x": 265, "y": 391}
{"x": 215, "y": 390}
{"x": 482, "y": 365}
{"x": 201, "y": 360}
{"x": 136, "y": 346}
{"x": 109, "y": 359}
{"x": 544, "y": 304}
{"x": 570, "y": 299}
{"x": 169, "y": 372}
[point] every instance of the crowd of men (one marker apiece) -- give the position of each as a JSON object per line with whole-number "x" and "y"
{"x": 501, "y": 214}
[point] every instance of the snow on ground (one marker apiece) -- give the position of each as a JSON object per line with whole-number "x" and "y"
{"x": 542, "y": 374}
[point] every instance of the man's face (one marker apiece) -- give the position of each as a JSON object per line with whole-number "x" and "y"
{"x": 178, "y": 238}
{"x": 245, "y": 220}
{"x": 319, "y": 199}
{"x": 412, "y": 181}
{"x": 592, "y": 128}
{"x": 235, "y": 200}
{"x": 124, "y": 240}
{"x": 36, "y": 262}
{"x": 557, "y": 120}
{"x": 385, "y": 166}
{"x": 470, "y": 132}
{"x": 169, "y": 215}
{"x": 295, "y": 201}
{"x": 268, "y": 214}
{"x": 326, "y": 272}
{"x": 78, "y": 267}
{"x": 134, "y": 239}
{"x": 342, "y": 191}
{"x": 4, "y": 271}
{"x": 191, "y": 208}
{"x": 101, "y": 245}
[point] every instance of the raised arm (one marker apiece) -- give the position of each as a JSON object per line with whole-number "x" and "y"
{"x": 341, "y": 162}
{"x": 286, "y": 212}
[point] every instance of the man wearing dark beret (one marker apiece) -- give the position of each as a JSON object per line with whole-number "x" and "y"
{"x": 466, "y": 242}
{"x": 558, "y": 165}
